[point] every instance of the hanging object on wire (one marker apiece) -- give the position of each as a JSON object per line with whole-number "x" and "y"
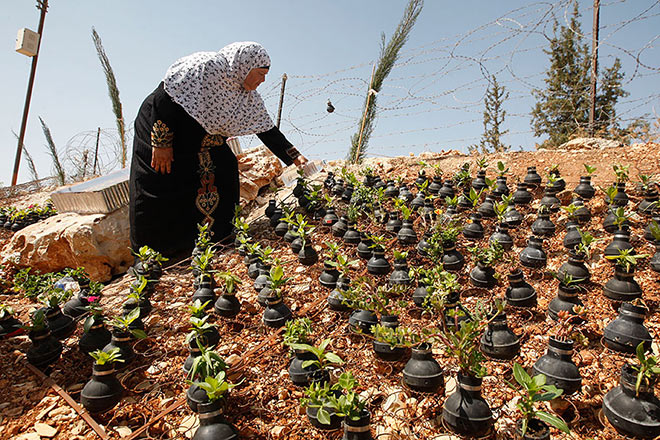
{"x": 331, "y": 108}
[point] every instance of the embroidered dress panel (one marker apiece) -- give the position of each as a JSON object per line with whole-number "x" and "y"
{"x": 161, "y": 136}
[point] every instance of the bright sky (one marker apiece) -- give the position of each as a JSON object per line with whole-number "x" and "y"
{"x": 432, "y": 100}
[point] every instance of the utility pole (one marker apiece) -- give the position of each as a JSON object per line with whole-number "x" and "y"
{"x": 43, "y": 6}
{"x": 594, "y": 67}
{"x": 279, "y": 110}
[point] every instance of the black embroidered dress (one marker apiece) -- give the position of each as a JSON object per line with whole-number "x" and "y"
{"x": 202, "y": 186}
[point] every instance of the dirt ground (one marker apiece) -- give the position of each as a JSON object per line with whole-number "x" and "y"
{"x": 266, "y": 404}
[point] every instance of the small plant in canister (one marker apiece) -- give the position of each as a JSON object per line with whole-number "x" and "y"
{"x": 96, "y": 335}
{"x": 61, "y": 326}
{"x": 392, "y": 344}
{"x": 9, "y": 325}
{"x": 276, "y": 312}
{"x": 483, "y": 274}
{"x": 208, "y": 364}
{"x": 202, "y": 333}
{"x": 123, "y": 335}
{"x": 212, "y": 424}
{"x": 298, "y": 331}
{"x": 227, "y": 305}
{"x": 307, "y": 255}
{"x": 45, "y": 349}
{"x": 351, "y": 408}
{"x": 320, "y": 360}
{"x": 534, "y": 422}
{"x": 103, "y": 391}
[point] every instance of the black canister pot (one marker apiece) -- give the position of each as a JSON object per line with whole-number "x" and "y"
{"x": 536, "y": 430}
{"x": 447, "y": 190}
{"x": 559, "y": 183}
{"x": 419, "y": 295}
{"x": 391, "y": 190}
{"x": 650, "y": 203}
{"x": 95, "y": 338}
{"x": 386, "y": 352}
{"x": 394, "y": 224}
{"x": 406, "y": 234}
{"x": 123, "y": 340}
{"x": 340, "y": 227}
{"x": 312, "y": 416}
{"x": 631, "y": 413}
{"x": 452, "y": 259}
{"x": 275, "y": 218}
{"x": 465, "y": 411}
{"x": 103, "y": 391}
{"x": 584, "y": 188}
{"x": 572, "y": 237}
{"x": 364, "y": 247}
{"x": 276, "y": 313}
{"x": 479, "y": 182}
{"x": 145, "y": 307}
{"x": 261, "y": 280}
{"x": 621, "y": 199}
{"x": 550, "y": 200}
{"x": 330, "y": 218}
{"x": 520, "y": 293}
{"x": 558, "y": 367}
{"x": 566, "y": 299}
{"x": 576, "y": 268}
{"x": 487, "y": 208}
{"x": 464, "y": 202}
{"x": 532, "y": 177}
{"x": 270, "y": 208}
{"x": 282, "y": 228}
{"x": 501, "y": 235}
{"x": 329, "y": 275}
{"x": 621, "y": 241}
{"x": 296, "y": 245}
{"x": 422, "y": 372}
{"x": 301, "y": 376}
{"x": 348, "y": 193}
{"x": 400, "y": 274}
{"x": 212, "y": 425}
{"x": 405, "y": 194}
{"x": 338, "y": 188}
{"x": 76, "y": 305}
{"x": 543, "y": 226}
{"x": 307, "y": 256}
{"x": 435, "y": 186}
{"x": 227, "y": 305}
{"x": 499, "y": 341}
{"x": 648, "y": 235}
{"x": 501, "y": 188}
{"x": 608, "y": 222}
{"x": 204, "y": 293}
{"x": 582, "y": 213}
{"x": 329, "y": 181}
{"x": 10, "y": 326}
{"x": 336, "y": 301}
{"x": 521, "y": 196}
{"x": 421, "y": 178}
{"x": 423, "y": 244}
{"x": 533, "y": 256}
{"x": 363, "y": 320}
{"x": 358, "y": 429}
{"x": 513, "y": 217}
{"x": 377, "y": 264}
{"x": 474, "y": 230}
{"x": 623, "y": 286}
{"x": 45, "y": 349}
{"x": 627, "y": 331}
{"x": 483, "y": 276}
{"x": 193, "y": 353}
{"x": 418, "y": 201}
{"x": 352, "y": 236}
{"x": 61, "y": 326}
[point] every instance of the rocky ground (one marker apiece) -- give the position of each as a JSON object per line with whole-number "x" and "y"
{"x": 266, "y": 405}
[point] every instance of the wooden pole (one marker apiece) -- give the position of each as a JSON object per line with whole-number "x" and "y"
{"x": 96, "y": 150}
{"x": 594, "y": 67}
{"x": 279, "y": 110}
{"x": 364, "y": 117}
{"x": 43, "y": 6}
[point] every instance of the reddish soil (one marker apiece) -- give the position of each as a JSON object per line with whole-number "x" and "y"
{"x": 266, "y": 404}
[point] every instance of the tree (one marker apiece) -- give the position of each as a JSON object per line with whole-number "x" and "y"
{"x": 388, "y": 56}
{"x": 493, "y": 118}
{"x": 113, "y": 91}
{"x": 562, "y": 109}
{"x": 610, "y": 91}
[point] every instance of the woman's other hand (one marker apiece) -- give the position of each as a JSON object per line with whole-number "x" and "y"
{"x": 161, "y": 159}
{"x": 300, "y": 160}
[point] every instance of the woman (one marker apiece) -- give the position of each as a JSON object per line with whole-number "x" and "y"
{"x": 183, "y": 173}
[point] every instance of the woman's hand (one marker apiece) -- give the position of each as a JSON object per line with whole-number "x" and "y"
{"x": 300, "y": 160}
{"x": 161, "y": 159}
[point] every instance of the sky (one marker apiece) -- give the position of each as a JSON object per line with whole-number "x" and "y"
{"x": 432, "y": 100}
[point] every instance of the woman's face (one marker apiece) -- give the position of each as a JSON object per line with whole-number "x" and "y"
{"x": 254, "y": 78}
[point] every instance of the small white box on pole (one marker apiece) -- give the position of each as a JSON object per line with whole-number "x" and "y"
{"x": 27, "y": 42}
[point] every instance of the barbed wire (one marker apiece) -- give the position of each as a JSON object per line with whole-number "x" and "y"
{"x": 452, "y": 74}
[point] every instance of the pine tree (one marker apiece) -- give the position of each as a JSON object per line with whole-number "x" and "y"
{"x": 563, "y": 107}
{"x": 493, "y": 118}
{"x": 610, "y": 90}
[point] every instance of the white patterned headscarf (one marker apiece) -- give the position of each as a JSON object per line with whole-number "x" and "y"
{"x": 209, "y": 87}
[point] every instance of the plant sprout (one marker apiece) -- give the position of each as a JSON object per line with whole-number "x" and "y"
{"x": 590, "y": 170}
{"x": 647, "y": 370}
{"x": 323, "y": 358}
{"x": 106, "y": 357}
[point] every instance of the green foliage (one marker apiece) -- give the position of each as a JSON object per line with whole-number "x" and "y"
{"x": 198, "y": 309}
{"x": 562, "y": 109}
{"x": 297, "y": 331}
{"x": 5, "y": 311}
{"x": 199, "y": 326}
{"x": 655, "y": 230}
{"x": 621, "y": 172}
{"x": 229, "y": 282}
{"x": 54, "y": 296}
{"x": 277, "y": 280}
{"x": 148, "y": 255}
{"x": 389, "y": 53}
{"x": 37, "y": 321}
{"x": 207, "y": 364}
{"x": 647, "y": 370}
{"x": 626, "y": 259}
{"x": 487, "y": 255}
{"x": 32, "y": 284}
{"x": 493, "y": 118}
{"x": 395, "y": 337}
{"x": 106, "y": 357}
{"x": 590, "y": 170}
{"x": 343, "y": 264}
{"x": 533, "y": 390}
{"x": 52, "y": 152}
{"x": 113, "y": 92}
{"x": 216, "y": 386}
{"x": 323, "y": 358}
{"x": 122, "y": 323}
